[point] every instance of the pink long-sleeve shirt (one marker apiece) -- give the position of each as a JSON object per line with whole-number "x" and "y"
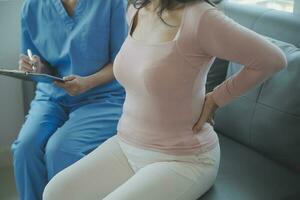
{"x": 165, "y": 82}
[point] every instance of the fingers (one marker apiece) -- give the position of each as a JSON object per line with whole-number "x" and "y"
{"x": 198, "y": 126}
{"x": 36, "y": 59}
{"x": 68, "y": 82}
{"x": 207, "y": 114}
{"x": 203, "y": 119}
{"x": 69, "y": 78}
{"x": 24, "y": 64}
{"x": 24, "y": 57}
{"x": 68, "y": 86}
{"x": 60, "y": 84}
{"x": 25, "y": 68}
{"x": 36, "y": 63}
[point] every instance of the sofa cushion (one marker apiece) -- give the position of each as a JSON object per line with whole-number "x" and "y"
{"x": 247, "y": 175}
{"x": 267, "y": 118}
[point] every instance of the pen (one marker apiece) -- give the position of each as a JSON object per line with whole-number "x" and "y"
{"x": 31, "y": 59}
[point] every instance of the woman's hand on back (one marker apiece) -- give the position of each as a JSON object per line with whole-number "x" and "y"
{"x": 207, "y": 113}
{"x": 74, "y": 85}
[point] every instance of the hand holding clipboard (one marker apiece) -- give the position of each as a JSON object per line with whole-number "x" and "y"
{"x": 32, "y": 69}
{"x": 28, "y": 71}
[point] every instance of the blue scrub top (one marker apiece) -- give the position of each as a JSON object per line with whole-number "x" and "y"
{"x": 79, "y": 45}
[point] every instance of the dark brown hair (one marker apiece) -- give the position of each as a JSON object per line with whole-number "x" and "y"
{"x": 164, "y": 4}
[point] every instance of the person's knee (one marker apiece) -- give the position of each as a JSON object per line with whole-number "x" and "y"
{"x": 56, "y": 189}
{"x": 50, "y": 193}
{"x": 25, "y": 149}
{"x": 60, "y": 148}
{"x": 63, "y": 186}
{"x": 59, "y": 154}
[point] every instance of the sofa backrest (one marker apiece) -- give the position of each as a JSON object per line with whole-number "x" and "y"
{"x": 276, "y": 24}
{"x": 267, "y": 118}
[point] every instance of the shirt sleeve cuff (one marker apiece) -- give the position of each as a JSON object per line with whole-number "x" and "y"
{"x": 221, "y": 94}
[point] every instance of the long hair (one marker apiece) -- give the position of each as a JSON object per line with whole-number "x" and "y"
{"x": 164, "y": 5}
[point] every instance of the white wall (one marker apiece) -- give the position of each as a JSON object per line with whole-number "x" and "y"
{"x": 11, "y": 97}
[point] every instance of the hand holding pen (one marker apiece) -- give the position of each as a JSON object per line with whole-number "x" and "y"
{"x": 33, "y": 63}
{"x": 29, "y": 62}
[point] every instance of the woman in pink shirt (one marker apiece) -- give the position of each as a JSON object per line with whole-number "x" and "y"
{"x": 165, "y": 148}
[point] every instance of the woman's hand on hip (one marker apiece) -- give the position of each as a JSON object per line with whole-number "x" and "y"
{"x": 74, "y": 85}
{"x": 207, "y": 113}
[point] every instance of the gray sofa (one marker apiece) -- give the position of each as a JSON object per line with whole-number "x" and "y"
{"x": 260, "y": 131}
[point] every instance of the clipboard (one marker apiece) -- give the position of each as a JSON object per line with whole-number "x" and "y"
{"x": 29, "y": 76}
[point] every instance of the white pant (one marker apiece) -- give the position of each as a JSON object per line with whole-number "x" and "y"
{"x": 118, "y": 171}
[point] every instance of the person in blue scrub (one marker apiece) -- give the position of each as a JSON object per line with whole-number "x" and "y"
{"x": 78, "y": 40}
